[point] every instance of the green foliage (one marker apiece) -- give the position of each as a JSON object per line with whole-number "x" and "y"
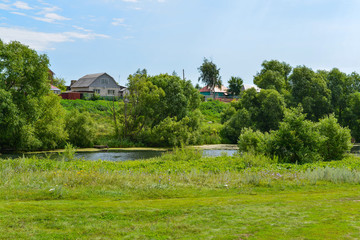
{"x": 22, "y": 71}
{"x": 337, "y": 139}
{"x": 69, "y": 152}
{"x": 141, "y": 104}
{"x": 50, "y": 127}
{"x": 227, "y": 114}
{"x": 351, "y": 114}
{"x": 210, "y": 74}
{"x": 81, "y": 128}
{"x": 235, "y": 85}
{"x": 180, "y": 97}
{"x": 274, "y": 75}
{"x": 9, "y": 121}
{"x": 212, "y": 110}
{"x": 100, "y": 107}
{"x": 171, "y": 132}
{"x": 262, "y": 111}
{"x": 310, "y": 90}
{"x": 30, "y": 118}
{"x": 297, "y": 140}
{"x": 60, "y": 83}
{"x": 233, "y": 127}
{"x": 252, "y": 141}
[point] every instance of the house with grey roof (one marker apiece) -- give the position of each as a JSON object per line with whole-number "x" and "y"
{"x": 100, "y": 83}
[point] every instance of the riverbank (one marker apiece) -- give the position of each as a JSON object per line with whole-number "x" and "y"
{"x": 179, "y": 195}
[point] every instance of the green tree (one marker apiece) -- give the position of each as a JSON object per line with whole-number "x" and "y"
{"x": 337, "y": 139}
{"x": 273, "y": 75}
{"x": 297, "y": 140}
{"x": 179, "y": 98}
{"x": 311, "y": 91}
{"x": 81, "y": 128}
{"x": 235, "y": 85}
{"x": 232, "y": 128}
{"x": 341, "y": 86}
{"x": 271, "y": 110}
{"x": 50, "y": 126}
{"x": 140, "y": 104}
{"x": 60, "y": 83}
{"x": 23, "y": 84}
{"x": 351, "y": 116}
{"x": 210, "y": 75}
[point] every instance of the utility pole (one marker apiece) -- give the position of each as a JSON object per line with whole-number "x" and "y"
{"x": 183, "y": 74}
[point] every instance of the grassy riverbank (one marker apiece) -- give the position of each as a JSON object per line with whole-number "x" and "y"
{"x": 179, "y": 196}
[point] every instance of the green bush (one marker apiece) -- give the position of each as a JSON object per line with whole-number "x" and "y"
{"x": 337, "y": 139}
{"x": 297, "y": 140}
{"x": 251, "y": 141}
{"x": 81, "y": 128}
{"x": 233, "y": 127}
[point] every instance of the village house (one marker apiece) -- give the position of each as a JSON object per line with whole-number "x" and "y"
{"x": 221, "y": 94}
{"x": 101, "y": 84}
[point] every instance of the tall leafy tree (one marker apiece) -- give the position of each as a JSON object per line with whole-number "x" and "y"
{"x": 235, "y": 85}
{"x": 311, "y": 91}
{"x": 140, "y": 104}
{"x": 179, "y": 99}
{"x": 341, "y": 86}
{"x": 24, "y": 84}
{"x": 273, "y": 75}
{"x": 210, "y": 75}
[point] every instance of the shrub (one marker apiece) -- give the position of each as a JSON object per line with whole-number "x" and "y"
{"x": 81, "y": 128}
{"x": 233, "y": 127}
{"x": 250, "y": 141}
{"x": 337, "y": 139}
{"x": 297, "y": 140}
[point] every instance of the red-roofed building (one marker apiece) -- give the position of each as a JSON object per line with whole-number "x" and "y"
{"x": 221, "y": 94}
{"x": 55, "y": 89}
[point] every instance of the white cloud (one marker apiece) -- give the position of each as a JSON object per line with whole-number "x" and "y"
{"x": 41, "y": 40}
{"x": 5, "y": 6}
{"x": 81, "y": 28}
{"x": 51, "y": 18}
{"x": 19, "y": 13}
{"x": 22, "y": 5}
{"x": 118, "y": 22}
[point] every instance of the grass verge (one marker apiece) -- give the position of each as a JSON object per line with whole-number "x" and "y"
{"x": 179, "y": 196}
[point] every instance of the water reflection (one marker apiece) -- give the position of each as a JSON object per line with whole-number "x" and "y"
{"x": 118, "y": 155}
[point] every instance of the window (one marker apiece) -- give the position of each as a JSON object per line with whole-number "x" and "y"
{"x": 104, "y": 81}
{"x": 111, "y": 92}
{"x": 97, "y": 91}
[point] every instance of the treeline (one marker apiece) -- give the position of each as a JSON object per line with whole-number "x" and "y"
{"x": 293, "y": 96}
{"x": 164, "y": 110}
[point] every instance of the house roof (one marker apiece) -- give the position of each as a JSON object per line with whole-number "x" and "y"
{"x": 223, "y": 89}
{"x": 87, "y": 80}
{"x": 54, "y": 88}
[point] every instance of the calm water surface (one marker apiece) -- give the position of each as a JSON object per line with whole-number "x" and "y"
{"x": 121, "y": 155}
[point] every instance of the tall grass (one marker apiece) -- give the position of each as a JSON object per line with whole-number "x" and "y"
{"x": 181, "y": 173}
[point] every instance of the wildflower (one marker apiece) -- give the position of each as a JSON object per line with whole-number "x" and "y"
{"x": 52, "y": 189}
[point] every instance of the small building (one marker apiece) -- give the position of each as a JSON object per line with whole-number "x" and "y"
{"x": 55, "y": 89}
{"x": 101, "y": 84}
{"x": 221, "y": 94}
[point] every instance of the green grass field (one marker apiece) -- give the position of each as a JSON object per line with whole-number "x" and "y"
{"x": 179, "y": 196}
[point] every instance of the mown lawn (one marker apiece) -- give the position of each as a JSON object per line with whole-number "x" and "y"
{"x": 324, "y": 213}
{"x": 179, "y": 196}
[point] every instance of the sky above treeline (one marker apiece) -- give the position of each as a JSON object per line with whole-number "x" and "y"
{"x": 120, "y": 36}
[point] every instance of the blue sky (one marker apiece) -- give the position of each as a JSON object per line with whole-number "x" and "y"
{"x": 120, "y": 36}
